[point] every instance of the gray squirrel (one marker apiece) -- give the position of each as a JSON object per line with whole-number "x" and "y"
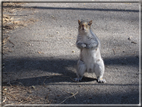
{"x": 90, "y": 56}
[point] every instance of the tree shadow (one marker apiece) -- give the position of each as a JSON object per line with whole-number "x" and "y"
{"x": 102, "y": 98}
{"x": 46, "y": 80}
{"x": 50, "y": 65}
{"x": 123, "y": 60}
{"x": 72, "y": 8}
{"x": 58, "y": 65}
{"x": 54, "y": 65}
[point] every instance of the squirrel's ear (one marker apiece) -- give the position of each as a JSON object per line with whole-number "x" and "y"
{"x": 90, "y": 22}
{"x": 79, "y": 22}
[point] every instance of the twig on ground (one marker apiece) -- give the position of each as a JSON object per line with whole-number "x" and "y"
{"x": 4, "y": 100}
{"x": 133, "y": 42}
{"x": 45, "y": 79}
{"x": 72, "y": 79}
{"x": 73, "y": 95}
{"x": 113, "y": 51}
{"x": 11, "y": 42}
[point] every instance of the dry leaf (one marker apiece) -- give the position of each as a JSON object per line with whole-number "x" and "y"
{"x": 33, "y": 87}
{"x": 5, "y": 89}
{"x": 40, "y": 52}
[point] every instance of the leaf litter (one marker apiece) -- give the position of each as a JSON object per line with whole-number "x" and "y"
{"x": 16, "y": 94}
{"x": 10, "y": 22}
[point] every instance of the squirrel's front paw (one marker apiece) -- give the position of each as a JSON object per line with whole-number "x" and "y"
{"x": 83, "y": 45}
{"x": 88, "y": 46}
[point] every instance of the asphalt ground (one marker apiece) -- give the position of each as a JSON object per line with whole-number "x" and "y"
{"x": 42, "y": 55}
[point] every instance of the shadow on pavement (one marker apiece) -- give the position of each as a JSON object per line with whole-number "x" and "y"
{"x": 60, "y": 66}
{"x": 53, "y": 65}
{"x": 123, "y": 61}
{"x": 71, "y": 8}
{"x": 103, "y": 98}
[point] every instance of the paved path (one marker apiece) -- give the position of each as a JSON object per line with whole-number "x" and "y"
{"x": 44, "y": 54}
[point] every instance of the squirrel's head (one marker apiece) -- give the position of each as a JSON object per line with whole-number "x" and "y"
{"x": 84, "y": 26}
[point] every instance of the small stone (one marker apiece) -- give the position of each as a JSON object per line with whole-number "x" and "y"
{"x": 129, "y": 38}
{"x": 73, "y": 51}
{"x": 133, "y": 42}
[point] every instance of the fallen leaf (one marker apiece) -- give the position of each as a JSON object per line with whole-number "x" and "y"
{"x": 39, "y": 52}
{"x": 57, "y": 32}
{"x": 33, "y": 87}
{"x": 5, "y": 89}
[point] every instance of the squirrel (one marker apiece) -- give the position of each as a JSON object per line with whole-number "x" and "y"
{"x": 90, "y": 56}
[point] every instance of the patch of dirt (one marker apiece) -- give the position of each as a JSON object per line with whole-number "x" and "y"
{"x": 21, "y": 95}
{"x": 11, "y": 22}
{"x": 12, "y": 7}
{"x": 15, "y": 94}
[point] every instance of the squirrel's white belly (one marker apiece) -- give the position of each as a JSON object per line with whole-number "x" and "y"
{"x": 89, "y": 57}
